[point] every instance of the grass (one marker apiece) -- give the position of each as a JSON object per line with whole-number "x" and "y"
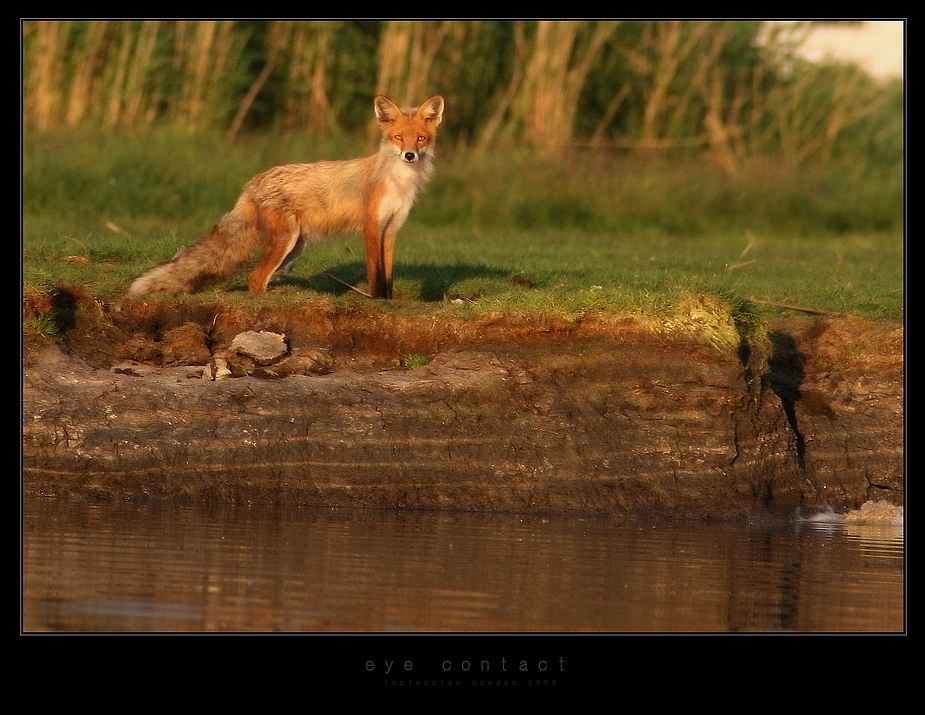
{"x": 412, "y": 361}
{"x": 598, "y": 234}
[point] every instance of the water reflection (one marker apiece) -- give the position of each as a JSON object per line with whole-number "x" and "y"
{"x": 165, "y": 567}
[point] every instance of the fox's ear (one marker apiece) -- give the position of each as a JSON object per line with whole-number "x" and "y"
{"x": 386, "y": 110}
{"x": 432, "y": 109}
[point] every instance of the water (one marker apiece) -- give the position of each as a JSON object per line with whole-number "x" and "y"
{"x": 170, "y": 568}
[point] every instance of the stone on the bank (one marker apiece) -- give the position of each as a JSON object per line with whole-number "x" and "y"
{"x": 263, "y": 347}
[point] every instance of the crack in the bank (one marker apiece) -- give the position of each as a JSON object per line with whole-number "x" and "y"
{"x": 736, "y": 447}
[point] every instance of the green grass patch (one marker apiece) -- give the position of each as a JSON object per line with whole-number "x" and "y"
{"x": 589, "y": 235}
{"x": 412, "y": 361}
{"x": 39, "y": 325}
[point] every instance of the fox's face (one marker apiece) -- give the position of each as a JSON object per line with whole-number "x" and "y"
{"x": 411, "y": 133}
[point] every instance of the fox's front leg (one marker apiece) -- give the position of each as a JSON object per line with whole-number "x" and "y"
{"x": 380, "y": 251}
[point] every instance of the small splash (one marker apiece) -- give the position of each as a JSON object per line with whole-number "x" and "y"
{"x": 871, "y": 512}
{"x": 829, "y": 516}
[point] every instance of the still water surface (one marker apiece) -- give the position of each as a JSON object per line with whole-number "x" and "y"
{"x": 171, "y": 568}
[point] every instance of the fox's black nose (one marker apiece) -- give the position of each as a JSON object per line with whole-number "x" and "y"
{"x": 410, "y": 156}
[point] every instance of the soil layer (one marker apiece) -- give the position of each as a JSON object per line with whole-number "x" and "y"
{"x": 362, "y": 408}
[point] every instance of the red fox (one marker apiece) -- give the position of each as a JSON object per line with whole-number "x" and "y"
{"x": 280, "y": 209}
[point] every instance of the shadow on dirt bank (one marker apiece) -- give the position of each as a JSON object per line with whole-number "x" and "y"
{"x": 785, "y": 377}
{"x": 160, "y": 399}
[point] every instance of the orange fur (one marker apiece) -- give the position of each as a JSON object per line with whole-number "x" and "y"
{"x": 283, "y": 208}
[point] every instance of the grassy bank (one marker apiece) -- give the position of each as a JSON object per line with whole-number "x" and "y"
{"x": 589, "y": 232}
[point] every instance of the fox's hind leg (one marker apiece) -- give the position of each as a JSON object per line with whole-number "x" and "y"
{"x": 281, "y": 239}
{"x": 296, "y": 251}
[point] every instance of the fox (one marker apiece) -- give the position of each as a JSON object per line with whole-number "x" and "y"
{"x": 281, "y": 209}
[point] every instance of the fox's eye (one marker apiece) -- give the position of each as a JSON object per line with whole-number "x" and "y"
{"x": 422, "y": 138}
{"x": 398, "y": 136}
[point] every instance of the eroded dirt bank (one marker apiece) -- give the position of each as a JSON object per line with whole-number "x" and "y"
{"x": 542, "y": 415}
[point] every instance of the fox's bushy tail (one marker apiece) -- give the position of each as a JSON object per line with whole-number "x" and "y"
{"x": 221, "y": 254}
